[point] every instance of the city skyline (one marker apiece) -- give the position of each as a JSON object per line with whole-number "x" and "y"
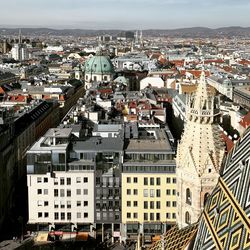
{"x": 111, "y": 14}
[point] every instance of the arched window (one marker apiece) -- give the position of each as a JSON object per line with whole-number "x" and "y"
{"x": 205, "y": 198}
{"x": 187, "y": 218}
{"x": 188, "y": 196}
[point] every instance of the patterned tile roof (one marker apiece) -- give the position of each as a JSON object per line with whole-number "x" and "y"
{"x": 225, "y": 222}
{"x": 177, "y": 239}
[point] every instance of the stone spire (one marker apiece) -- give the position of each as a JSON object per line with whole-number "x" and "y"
{"x": 199, "y": 153}
{"x": 20, "y": 37}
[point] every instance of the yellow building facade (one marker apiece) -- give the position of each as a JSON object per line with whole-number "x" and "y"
{"x": 149, "y": 197}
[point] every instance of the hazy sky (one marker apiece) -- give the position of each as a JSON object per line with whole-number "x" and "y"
{"x": 124, "y": 14}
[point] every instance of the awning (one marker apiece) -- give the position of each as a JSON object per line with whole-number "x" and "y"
{"x": 82, "y": 236}
{"x": 42, "y": 237}
{"x": 69, "y": 236}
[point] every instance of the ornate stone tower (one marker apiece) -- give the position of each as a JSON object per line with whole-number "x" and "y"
{"x": 199, "y": 154}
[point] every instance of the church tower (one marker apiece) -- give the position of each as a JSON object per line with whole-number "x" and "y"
{"x": 199, "y": 154}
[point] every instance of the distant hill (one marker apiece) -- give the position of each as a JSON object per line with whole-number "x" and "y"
{"x": 182, "y": 32}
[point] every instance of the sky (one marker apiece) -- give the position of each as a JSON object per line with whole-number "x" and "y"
{"x": 124, "y": 14}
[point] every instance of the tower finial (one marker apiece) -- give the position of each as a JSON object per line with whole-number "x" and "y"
{"x": 20, "y": 36}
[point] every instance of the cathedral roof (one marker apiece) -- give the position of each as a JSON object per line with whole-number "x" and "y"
{"x": 177, "y": 239}
{"x": 225, "y": 222}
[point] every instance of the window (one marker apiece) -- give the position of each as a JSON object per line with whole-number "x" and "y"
{"x": 68, "y": 193}
{"x": 151, "y": 216}
{"x": 85, "y": 191}
{"x": 68, "y": 181}
{"x": 174, "y": 203}
{"x": 68, "y": 204}
{"x": 61, "y": 192}
{"x": 39, "y": 179}
{"x": 128, "y": 191}
{"x": 145, "y": 205}
{"x": 78, "y": 179}
{"x": 135, "y": 179}
{"x": 39, "y": 191}
{"x": 39, "y": 203}
{"x": 62, "y": 216}
{"x": 168, "y": 180}
{"x": 128, "y": 180}
{"x": 152, "y": 193}
{"x": 85, "y": 179}
{"x": 158, "y": 217}
{"x": 46, "y": 203}
{"x": 158, "y": 193}
{"x": 45, "y": 180}
{"x": 56, "y": 181}
{"x": 205, "y": 198}
{"x": 167, "y": 215}
{"x": 135, "y": 215}
{"x": 151, "y": 181}
{"x": 56, "y": 216}
{"x": 128, "y": 215}
{"x": 45, "y": 191}
{"x": 145, "y": 216}
{"x": 85, "y": 203}
{"x": 68, "y": 216}
{"x": 56, "y": 192}
{"x": 135, "y": 192}
{"x": 174, "y": 180}
{"x": 46, "y": 214}
{"x": 85, "y": 215}
{"x": 78, "y": 203}
{"x": 145, "y": 181}
{"x": 40, "y": 214}
{"x": 188, "y": 197}
{"x": 151, "y": 205}
{"x": 187, "y": 218}
{"x": 145, "y": 193}
{"x": 158, "y": 181}
{"x": 174, "y": 191}
{"x": 56, "y": 204}
{"x": 78, "y": 191}
{"x": 168, "y": 204}
{"x": 61, "y": 181}
{"x": 158, "y": 205}
{"x": 128, "y": 203}
{"x": 168, "y": 192}
{"x": 78, "y": 215}
{"x": 174, "y": 215}
{"x": 62, "y": 204}
{"x": 135, "y": 203}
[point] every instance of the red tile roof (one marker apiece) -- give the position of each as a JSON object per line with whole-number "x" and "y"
{"x": 245, "y": 121}
{"x": 229, "y": 143}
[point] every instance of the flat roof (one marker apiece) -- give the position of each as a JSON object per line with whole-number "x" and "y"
{"x": 99, "y": 144}
{"x": 59, "y": 132}
{"x": 159, "y": 144}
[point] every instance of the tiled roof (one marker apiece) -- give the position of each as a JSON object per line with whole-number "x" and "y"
{"x": 177, "y": 239}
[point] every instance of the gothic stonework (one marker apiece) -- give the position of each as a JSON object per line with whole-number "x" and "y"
{"x": 199, "y": 154}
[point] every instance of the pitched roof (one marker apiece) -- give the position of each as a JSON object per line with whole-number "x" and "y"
{"x": 177, "y": 239}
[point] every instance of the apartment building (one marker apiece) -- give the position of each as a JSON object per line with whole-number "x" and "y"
{"x": 60, "y": 188}
{"x": 148, "y": 182}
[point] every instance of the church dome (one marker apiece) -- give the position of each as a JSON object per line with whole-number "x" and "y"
{"x": 99, "y": 65}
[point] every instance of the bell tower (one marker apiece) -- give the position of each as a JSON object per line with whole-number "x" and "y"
{"x": 199, "y": 154}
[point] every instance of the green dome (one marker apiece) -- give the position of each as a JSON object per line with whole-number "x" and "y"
{"x": 99, "y": 65}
